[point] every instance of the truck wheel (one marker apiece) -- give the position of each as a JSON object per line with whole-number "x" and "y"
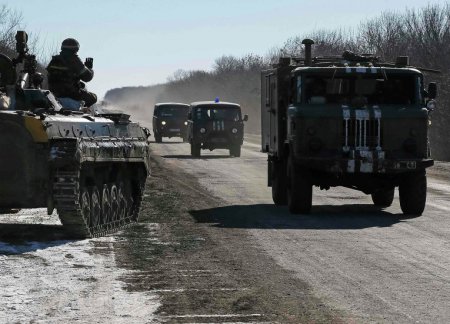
{"x": 413, "y": 193}
{"x": 195, "y": 150}
{"x": 235, "y": 151}
{"x": 383, "y": 198}
{"x": 158, "y": 138}
{"x": 299, "y": 189}
{"x": 279, "y": 193}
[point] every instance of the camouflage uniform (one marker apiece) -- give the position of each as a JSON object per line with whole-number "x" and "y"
{"x": 65, "y": 73}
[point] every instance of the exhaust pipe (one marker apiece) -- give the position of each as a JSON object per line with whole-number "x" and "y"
{"x": 308, "y": 56}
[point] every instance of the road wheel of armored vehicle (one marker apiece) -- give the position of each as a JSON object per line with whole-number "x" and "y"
{"x": 158, "y": 138}
{"x": 86, "y": 205}
{"x": 129, "y": 199}
{"x": 413, "y": 193}
{"x": 122, "y": 202}
{"x": 383, "y": 198}
{"x": 96, "y": 209}
{"x": 278, "y": 175}
{"x": 106, "y": 205}
{"x": 299, "y": 190}
{"x": 235, "y": 150}
{"x": 114, "y": 199}
{"x": 195, "y": 150}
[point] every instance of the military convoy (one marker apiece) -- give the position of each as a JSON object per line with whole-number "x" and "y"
{"x": 91, "y": 167}
{"x": 215, "y": 125}
{"x": 349, "y": 121}
{"x": 170, "y": 120}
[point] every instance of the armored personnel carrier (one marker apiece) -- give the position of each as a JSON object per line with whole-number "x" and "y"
{"x": 91, "y": 167}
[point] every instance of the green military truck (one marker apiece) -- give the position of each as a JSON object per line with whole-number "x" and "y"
{"x": 349, "y": 121}
{"x": 215, "y": 125}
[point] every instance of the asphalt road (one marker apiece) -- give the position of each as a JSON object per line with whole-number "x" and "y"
{"x": 376, "y": 265}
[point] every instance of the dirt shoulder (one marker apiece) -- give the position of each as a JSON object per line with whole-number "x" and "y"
{"x": 204, "y": 272}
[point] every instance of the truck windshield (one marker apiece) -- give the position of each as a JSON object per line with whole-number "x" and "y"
{"x": 172, "y": 111}
{"x": 369, "y": 89}
{"x": 209, "y": 113}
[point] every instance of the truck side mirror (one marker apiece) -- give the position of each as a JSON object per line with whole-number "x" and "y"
{"x": 189, "y": 116}
{"x": 245, "y": 117}
{"x": 432, "y": 90}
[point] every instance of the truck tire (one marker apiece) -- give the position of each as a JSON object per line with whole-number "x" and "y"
{"x": 383, "y": 198}
{"x": 158, "y": 138}
{"x": 278, "y": 175}
{"x": 195, "y": 150}
{"x": 235, "y": 150}
{"x": 413, "y": 193}
{"x": 299, "y": 189}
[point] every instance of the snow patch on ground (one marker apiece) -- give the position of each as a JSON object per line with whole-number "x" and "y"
{"x": 66, "y": 281}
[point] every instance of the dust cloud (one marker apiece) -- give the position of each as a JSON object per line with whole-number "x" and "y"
{"x": 140, "y": 101}
{"x": 136, "y": 101}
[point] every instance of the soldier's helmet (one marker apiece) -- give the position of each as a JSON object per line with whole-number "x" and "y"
{"x": 70, "y": 44}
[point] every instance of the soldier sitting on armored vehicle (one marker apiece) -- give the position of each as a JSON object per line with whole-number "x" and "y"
{"x": 65, "y": 75}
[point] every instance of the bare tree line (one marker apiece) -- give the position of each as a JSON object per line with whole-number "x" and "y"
{"x": 10, "y": 22}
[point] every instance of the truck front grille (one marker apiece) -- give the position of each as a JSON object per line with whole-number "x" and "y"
{"x": 361, "y": 131}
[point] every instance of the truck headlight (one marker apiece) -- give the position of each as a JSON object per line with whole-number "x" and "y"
{"x": 163, "y": 122}
{"x": 234, "y": 130}
{"x": 202, "y": 130}
{"x": 185, "y": 123}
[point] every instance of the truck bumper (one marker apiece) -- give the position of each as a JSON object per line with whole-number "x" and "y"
{"x": 375, "y": 166}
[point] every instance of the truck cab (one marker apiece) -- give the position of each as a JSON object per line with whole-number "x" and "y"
{"x": 347, "y": 121}
{"x": 216, "y": 125}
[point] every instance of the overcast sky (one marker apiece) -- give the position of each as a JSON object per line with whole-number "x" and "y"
{"x": 142, "y": 42}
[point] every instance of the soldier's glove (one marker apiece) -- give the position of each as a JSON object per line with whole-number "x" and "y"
{"x": 89, "y": 62}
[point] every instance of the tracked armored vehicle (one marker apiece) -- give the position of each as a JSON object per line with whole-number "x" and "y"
{"x": 90, "y": 168}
